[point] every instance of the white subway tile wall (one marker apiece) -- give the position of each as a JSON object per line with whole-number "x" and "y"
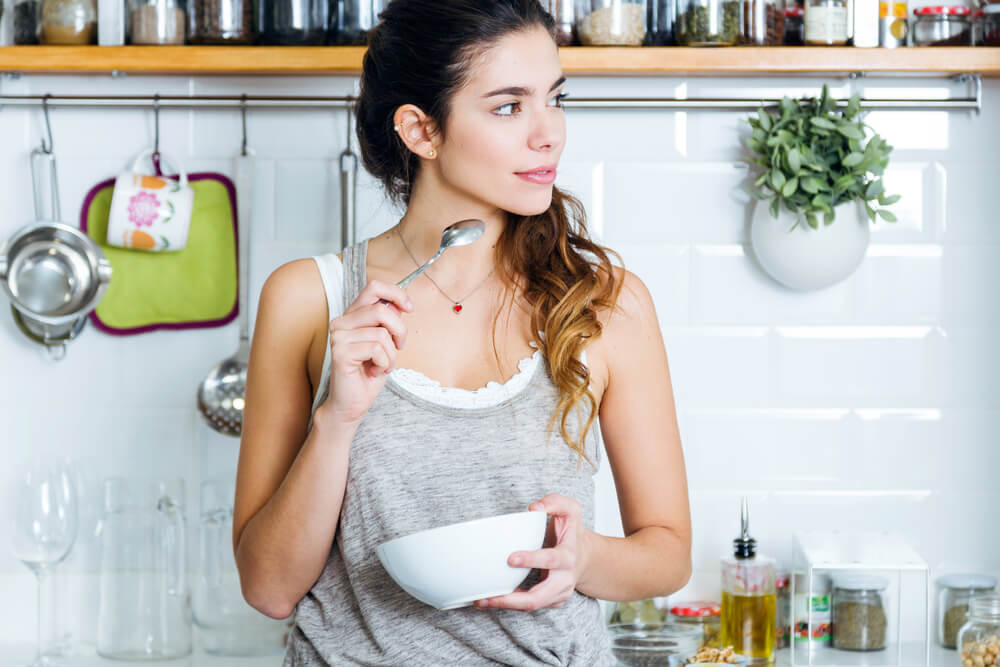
{"x": 873, "y": 404}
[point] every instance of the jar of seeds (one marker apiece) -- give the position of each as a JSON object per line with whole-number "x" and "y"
{"x": 157, "y": 22}
{"x": 708, "y": 22}
{"x": 826, "y": 22}
{"x": 763, "y": 22}
{"x": 859, "y": 614}
{"x": 979, "y": 639}
{"x": 27, "y": 21}
{"x": 612, "y": 22}
{"x": 954, "y": 593}
{"x": 69, "y": 22}
{"x": 220, "y": 22}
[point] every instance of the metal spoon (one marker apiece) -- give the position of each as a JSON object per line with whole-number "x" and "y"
{"x": 461, "y": 233}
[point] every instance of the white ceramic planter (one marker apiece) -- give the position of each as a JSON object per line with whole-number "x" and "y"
{"x": 804, "y": 258}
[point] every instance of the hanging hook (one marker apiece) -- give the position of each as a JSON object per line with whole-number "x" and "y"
{"x": 243, "y": 113}
{"x": 47, "y": 148}
{"x": 156, "y": 125}
{"x": 350, "y": 109}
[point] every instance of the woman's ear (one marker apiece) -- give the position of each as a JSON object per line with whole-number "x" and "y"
{"x": 416, "y": 130}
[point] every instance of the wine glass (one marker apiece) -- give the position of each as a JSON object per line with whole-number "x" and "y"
{"x": 42, "y": 518}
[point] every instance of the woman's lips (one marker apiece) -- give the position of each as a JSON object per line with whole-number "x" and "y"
{"x": 542, "y": 177}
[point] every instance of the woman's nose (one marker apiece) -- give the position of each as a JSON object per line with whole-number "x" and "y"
{"x": 548, "y": 132}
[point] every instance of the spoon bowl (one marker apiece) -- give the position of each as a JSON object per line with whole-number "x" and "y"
{"x": 461, "y": 233}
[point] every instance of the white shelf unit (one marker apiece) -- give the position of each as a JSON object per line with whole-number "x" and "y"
{"x": 876, "y": 552}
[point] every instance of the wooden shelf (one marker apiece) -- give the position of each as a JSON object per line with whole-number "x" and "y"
{"x": 610, "y": 61}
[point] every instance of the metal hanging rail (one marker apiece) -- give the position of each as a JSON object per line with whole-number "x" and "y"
{"x": 971, "y": 103}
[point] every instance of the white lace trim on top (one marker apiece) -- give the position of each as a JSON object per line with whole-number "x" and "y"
{"x": 492, "y": 394}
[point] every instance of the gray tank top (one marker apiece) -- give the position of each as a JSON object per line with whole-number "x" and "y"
{"x": 417, "y": 464}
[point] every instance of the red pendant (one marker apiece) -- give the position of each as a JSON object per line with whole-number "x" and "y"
{"x": 457, "y": 307}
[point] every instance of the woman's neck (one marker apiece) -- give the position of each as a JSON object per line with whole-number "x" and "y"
{"x": 421, "y": 230}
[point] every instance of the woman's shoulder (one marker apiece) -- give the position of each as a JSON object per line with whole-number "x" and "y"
{"x": 293, "y": 298}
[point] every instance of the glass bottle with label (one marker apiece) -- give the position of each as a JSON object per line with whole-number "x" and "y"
{"x": 826, "y": 22}
{"x": 813, "y": 608}
{"x": 749, "y": 599}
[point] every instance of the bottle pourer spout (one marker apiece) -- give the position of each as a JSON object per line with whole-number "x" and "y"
{"x": 744, "y": 546}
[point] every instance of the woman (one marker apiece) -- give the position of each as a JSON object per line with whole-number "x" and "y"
{"x": 347, "y": 442}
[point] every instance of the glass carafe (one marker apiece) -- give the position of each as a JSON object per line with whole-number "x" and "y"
{"x": 226, "y": 623}
{"x": 145, "y": 609}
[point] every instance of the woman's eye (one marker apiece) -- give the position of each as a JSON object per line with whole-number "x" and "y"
{"x": 510, "y": 105}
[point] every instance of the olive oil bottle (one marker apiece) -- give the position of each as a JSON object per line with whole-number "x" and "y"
{"x": 749, "y": 598}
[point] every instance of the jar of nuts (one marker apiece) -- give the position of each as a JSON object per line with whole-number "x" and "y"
{"x": 612, "y": 22}
{"x": 979, "y": 638}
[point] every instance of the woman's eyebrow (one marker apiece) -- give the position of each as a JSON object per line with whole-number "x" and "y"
{"x": 523, "y": 90}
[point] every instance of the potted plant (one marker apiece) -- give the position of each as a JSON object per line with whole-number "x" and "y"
{"x": 821, "y": 177}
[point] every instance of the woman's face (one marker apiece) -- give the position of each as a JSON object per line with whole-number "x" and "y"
{"x": 506, "y": 124}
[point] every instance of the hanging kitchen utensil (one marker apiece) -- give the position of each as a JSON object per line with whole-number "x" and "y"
{"x": 221, "y": 396}
{"x": 348, "y": 188}
{"x": 54, "y": 274}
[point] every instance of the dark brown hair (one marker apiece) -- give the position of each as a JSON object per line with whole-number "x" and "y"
{"x": 420, "y": 53}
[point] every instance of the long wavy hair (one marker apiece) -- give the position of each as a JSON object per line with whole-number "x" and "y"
{"x": 421, "y": 52}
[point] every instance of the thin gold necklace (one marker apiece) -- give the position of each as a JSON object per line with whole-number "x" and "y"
{"x": 456, "y": 306}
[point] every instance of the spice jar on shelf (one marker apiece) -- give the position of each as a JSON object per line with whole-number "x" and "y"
{"x": 611, "y": 22}
{"x": 859, "y": 615}
{"x": 783, "y": 611}
{"x": 69, "y": 22}
{"x": 661, "y": 15}
{"x": 708, "y": 22}
{"x": 980, "y": 636}
{"x": 293, "y": 22}
{"x": 706, "y": 616}
{"x": 27, "y": 20}
{"x": 954, "y": 593}
{"x": 795, "y": 27}
{"x": 814, "y": 608}
{"x": 991, "y": 25}
{"x": 763, "y": 22}
{"x": 563, "y": 12}
{"x": 220, "y": 22}
{"x": 892, "y": 25}
{"x": 156, "y": 22}
{"x": 942, "y": 26}
{"x": 355, "y": 18}
{"x": 826, "y": 22}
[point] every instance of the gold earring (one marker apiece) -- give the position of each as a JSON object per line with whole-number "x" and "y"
{"x": 397, "y": 127}
{"x": 431, "y": 153}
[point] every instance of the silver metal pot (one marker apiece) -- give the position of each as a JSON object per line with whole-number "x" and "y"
{"x": 54, "y": 275}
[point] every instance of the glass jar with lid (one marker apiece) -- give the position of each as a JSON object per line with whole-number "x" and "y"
{"x": 69, "y": 22}
{"x": 355, "y": 18}
{"x": 652, "y": 644}
{"x": 27, "y": 20}
{"x": 942, "y": 26}
{"x": 708, "y": 22}
{"x": 611, "y": 22}
{"x": 814, "y": 609}
{"x": 991, "y": 25}
{"x": 826, "y": 22}
{"x": 795, "y": 26}
{"x": 661, "y": 16}
{"x": 860, "y": 621}
{"x": 563, "y": 12}
{"x": 293, "y": 22}
{"x": 954, "y": 593}
{"x": 980, "y": 636}
{"x": 220, "y": 22}
{"x": 156, "y": 22}
{"x": 705, "y": 616}
{"x": 763, "y": 22}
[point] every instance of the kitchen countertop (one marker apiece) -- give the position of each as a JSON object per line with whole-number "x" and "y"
{"x": 19, "y": 654}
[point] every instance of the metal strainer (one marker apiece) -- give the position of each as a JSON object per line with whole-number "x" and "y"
{"x": 221, "y": 394}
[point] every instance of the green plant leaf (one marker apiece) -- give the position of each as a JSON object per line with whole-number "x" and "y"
{"x": 871, "y": 211}
{"x": 851, "y": 131}
{"x": 886, "y": 215}
{"x": 774, "y": 208}
{"x": 824, "y": 123}
{"x": 777, "y": 179}
{"x": 810, "y": 184}
{"x": 874, "y": 189}
{"x": 794, "y": 160}
{"x": 853, "y": 106}
{"x": 888, "y": 200}
{"x": 843, "y": 182}
{"x": 811, "y": 219}
{"x": 829, "y": 217}
{"x": 853, "y": 160}
{"x": 765, "y": 119}
{"x": 790, "y": 187}
{"x": 761, "y": 180}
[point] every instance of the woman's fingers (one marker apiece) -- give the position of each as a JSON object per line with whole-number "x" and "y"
{"x": 372, "y": 316}
{"x": 376, "y": 290}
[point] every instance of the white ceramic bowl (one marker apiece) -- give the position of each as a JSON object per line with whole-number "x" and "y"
{"x": 453, "y": 566}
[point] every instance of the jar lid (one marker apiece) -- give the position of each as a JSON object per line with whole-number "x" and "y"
{"x": 654, "y": 639}
{"x": 860, "y": 582}
{"x": 781, "y": 581}
{"x": 978, "y": 13}
{"x": 952, "y": 10}
{"x": 976, "y": 582}
{"x": 696, "y": 609}
{"x": 821, "y": 583}
{"x": 795, "y": 11}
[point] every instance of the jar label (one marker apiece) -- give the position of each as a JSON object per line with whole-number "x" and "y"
{"x": 826, "y": 24}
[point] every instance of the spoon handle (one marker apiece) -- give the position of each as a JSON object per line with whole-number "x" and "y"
{"x": 405, "y": 282}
